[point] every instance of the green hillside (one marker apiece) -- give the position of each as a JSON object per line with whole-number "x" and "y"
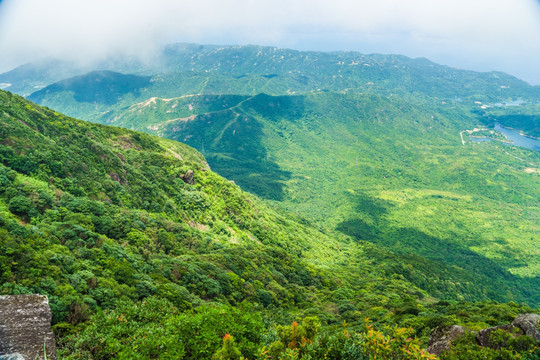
{"x": 366, "y": 198}
{"x": 376, "y": 169}
{"x": 332, "y": 70}
{"x": 181, "y": 69}
{"x": 31, "y": 77}
{"x": 102, "y": 87}
{"x": 99, "y": 218}
{"x": 129, "y": 234}
{"x": 373, "y": 167}
{"x": 86, "y": 191}
{"x": 79, "y": 96}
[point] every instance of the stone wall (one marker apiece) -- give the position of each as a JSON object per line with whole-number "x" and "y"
{"x": 25, "y": 328}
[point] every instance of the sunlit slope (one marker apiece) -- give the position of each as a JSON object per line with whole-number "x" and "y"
{"x": 92, "y": 215}
{"x": 374, "y": 168}
{"x": 187, "y": 69}
{"x": 138, "y": 182}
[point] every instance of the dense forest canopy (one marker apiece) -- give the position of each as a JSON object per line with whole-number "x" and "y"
{"x": 371, "y": 218}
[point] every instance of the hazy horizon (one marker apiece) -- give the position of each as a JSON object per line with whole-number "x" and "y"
{"x": 479, "y": 36}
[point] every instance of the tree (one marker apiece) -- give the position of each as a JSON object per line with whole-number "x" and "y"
{"x": 20, "y": 205}
{"x": 228, "y": 351}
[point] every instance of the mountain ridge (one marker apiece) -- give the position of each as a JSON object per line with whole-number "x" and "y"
{"x": 376, "y": 202}
{"x": 399, "y": 72}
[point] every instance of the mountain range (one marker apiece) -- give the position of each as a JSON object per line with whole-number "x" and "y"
{"x": 369, "y": 197}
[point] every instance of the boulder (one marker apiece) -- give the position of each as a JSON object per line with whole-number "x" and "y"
{"x": 25, "y": 328}
{"x": 189, "y": 177}
{"x": 529, "y": 324}
{"x": 483, "y": 336}
{"x": 441, "y": 338}
{"x": 526, "y": 324}
{"x": 15, "y": 356}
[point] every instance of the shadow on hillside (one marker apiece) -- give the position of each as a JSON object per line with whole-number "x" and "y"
{"x": 530, "y": 124}
{"x": 260, "y": 177}
{"x": 454, "y": 261}
{"x": 101, "y": 87}
{"x": 273, "y": 108}
{"x": 232, "y": 145}
{"x": 369, "y": 218}
{"x": 527, "y": 123}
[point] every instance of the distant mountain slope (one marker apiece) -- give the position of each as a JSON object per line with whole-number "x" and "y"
{"x": 102, "y": 87}
{"x": 187, "y": 69}
{"x": 374, "y": 168}
{"x": 91, "y": 215}
{"x": 31, "y": 77}
{"x": 379, "y": 73}
{"x": 28, "y": 78}
{"x": 255, "y": 69}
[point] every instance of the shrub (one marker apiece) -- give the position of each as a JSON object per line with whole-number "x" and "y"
{"x": 20, "y": 205}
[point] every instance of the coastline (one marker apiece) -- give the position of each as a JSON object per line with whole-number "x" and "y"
{"x": 520, "y": 132}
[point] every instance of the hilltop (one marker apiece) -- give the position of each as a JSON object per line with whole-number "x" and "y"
{"x": 191, "y": 68}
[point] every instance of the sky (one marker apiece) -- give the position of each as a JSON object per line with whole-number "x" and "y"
{"x": 480, "y": 35}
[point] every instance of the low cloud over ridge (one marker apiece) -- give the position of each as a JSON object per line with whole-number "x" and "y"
{"x": 481, "y": 35}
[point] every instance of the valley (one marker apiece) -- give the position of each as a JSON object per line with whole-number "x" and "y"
{"x": 316, "y": 155}
{"x": 364, "y": 194}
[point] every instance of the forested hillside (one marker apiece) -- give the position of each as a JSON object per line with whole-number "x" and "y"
{"x": 350, "y": 186}
{"x": 377, "y": 169}
{"x": 193, "y": 68}
{"x": 372, "y": 146}
{"x": 102, "y": 218}
{"x": 379, "y": 166}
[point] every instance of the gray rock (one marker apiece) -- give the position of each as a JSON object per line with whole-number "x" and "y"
{"x": 115, "y": 177}
{"x": 441, "y": 338}
{"x": 25, "y": 328}
{"x": 189, "y": 177}
{"x": 483, "y": 336}
{"x": 15, "y": 356}
{"x": 529, "y": 323}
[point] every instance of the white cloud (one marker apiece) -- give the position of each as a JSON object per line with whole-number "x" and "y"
{"x": 480, "y": 34}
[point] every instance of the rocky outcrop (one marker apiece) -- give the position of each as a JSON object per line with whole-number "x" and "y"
{"x": 483, "y": 336}
{"x": 25, "y": 328}
{"x": 189, "y": 177}
{"x": 441, "y": 338}
{"x": 529, "y": 324}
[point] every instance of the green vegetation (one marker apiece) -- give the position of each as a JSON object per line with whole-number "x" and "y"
{"x": 524, "y": 117}
{"x": 373, "y": 207}
{"x": 188, "y": 69}
{"x": 107, "y": 227}
{"x": 102, "y": 87}
{"x": 107, "y": 216}
{"x": 505, "y": 347}
{"x": 389, "y": 169}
